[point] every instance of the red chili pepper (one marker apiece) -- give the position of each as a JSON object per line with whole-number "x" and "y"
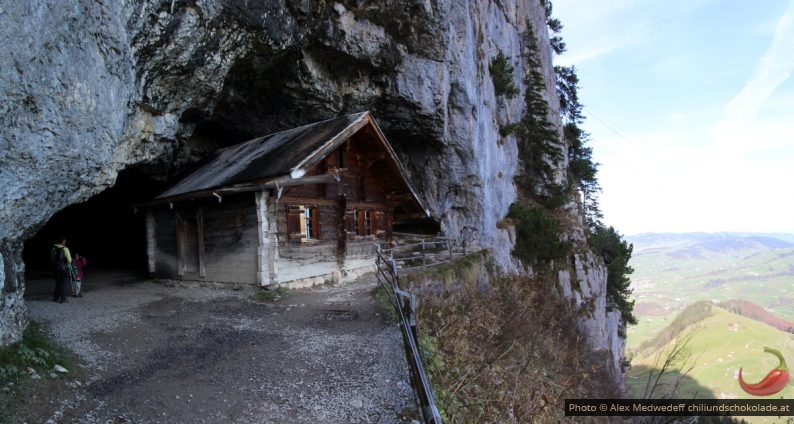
{"x": 774, "y": 382}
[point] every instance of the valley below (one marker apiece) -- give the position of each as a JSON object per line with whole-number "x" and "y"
{"x": 707, "y": 305}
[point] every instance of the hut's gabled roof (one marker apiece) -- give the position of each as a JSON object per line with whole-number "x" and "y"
{"x": 278, "y": 157}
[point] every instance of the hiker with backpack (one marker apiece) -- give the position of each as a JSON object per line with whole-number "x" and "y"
{"x": 61, "y": 263}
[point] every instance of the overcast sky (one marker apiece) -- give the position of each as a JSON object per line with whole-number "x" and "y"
{"x": 690, "y": 107}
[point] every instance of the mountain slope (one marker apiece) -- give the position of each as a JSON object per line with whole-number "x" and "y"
{"x": 751, "y": 310}
{"x": 720, "y": 345}
{"x": 674, "y": 270}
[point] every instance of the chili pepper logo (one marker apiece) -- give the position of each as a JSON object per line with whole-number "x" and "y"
{"x": 774, "y": 382}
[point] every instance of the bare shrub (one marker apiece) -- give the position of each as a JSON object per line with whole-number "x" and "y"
{"x": 509, "y": 354}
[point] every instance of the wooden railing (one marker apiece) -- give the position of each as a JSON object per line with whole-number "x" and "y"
{"x": 404, "y": 303}
{"x": 414, "y": 252}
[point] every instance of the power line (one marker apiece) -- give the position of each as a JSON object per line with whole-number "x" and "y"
{"x": 627, "y": 139}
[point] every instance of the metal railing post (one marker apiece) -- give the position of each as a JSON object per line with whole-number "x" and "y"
{"x": 394, "y": 271}
{"x": 407, "y": 303}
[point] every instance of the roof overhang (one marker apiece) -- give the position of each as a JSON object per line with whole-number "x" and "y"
{"x": 297, "y": 173}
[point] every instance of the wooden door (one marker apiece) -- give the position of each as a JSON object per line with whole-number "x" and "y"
{"x": 188, "y": 239}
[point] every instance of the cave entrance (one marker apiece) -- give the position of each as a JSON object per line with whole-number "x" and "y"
{"x": 105, "y": 229}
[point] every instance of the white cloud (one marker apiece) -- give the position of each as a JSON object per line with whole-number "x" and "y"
{"x": 685, "y": 187}
{"x": 579, "y": 56}
{"x": 616, "y": 24}
{"x": 773, "y": 70}
{"x": 700, "y": 164}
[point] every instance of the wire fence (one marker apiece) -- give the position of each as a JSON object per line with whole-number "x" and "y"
{"x": 405, "y": 303}
{"x": 413, "y": 252}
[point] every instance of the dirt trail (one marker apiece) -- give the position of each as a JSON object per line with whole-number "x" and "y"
{"x": 158, "y": 354}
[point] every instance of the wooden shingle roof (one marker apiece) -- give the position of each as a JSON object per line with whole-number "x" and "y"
{"x": 278, "y": 157}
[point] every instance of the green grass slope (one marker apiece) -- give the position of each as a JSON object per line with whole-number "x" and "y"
{"x": 675, "y": 270}
{"x": 721, "y": 343}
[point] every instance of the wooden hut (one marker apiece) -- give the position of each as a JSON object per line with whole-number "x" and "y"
{"x": 299, "y": 207}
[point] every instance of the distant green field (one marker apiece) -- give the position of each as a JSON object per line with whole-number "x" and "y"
{"x": 721, "y": 345}
{"x": 672, "y": 271}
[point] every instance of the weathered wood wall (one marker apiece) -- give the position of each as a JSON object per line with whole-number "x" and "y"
{"x": 360, "y": 254}
{"x": 231, "y": 240}
{"x": 228, "y": 233}
{"x": 165, "y": 249}
{"x": 305, "y": 261}
{"x": 302, "y": 257}
{"x": 359, "y": 180}
{"x": 229, "y": 237}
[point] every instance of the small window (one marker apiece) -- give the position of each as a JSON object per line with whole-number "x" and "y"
{"x": 303, "y": 223}
{"x": 340, "y": 157}
{"x": 309, "y": 230}
{"x": 362, "y": 220}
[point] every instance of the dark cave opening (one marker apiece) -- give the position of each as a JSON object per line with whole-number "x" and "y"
{"x": 105, "y": 229}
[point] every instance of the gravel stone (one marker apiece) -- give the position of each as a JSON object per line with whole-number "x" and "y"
{"x": 161, "y": 353}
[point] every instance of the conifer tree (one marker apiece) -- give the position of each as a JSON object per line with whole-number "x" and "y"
{"x": 582, "y": 174}
{"x": 568, "y": 93}
{"x": 616, "y": 252}
{"x": 555, "y": 26}
{"x": 538, "y": 138}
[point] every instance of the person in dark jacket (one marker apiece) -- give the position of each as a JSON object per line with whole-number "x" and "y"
{"x": 61, "y": 263}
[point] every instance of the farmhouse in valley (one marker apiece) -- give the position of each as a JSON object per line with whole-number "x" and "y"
{"x": 298, "y": 207}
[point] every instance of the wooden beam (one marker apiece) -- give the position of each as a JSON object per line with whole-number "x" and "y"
{"x": 180, "y": 243}
{"x": 200, "y": 235}
{"x": 389, "y": 225}
{"x": 309, "y": 201}
{"x": 341, "y": 230}
{"x": 151, "y": 241}
{"x": 275, "y": 183}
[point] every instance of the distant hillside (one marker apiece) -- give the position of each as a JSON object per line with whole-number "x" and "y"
{"x": 674, "y": 270}
{"x": 692, "y": 314}
{"x": 749, "y": 309}
{"x": 700, "y": 311}
{"x": 720, "y": 344}
{"x": 693, "y": 245}
{"x": 672, "y": 239}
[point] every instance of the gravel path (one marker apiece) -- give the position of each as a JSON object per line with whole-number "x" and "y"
{"x": 159, "y": 354}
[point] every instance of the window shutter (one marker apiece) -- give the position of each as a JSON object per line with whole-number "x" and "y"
{"x": 293, "y": 222}
{"x": 315, "y": 223}
{"x": 362, "y": 231}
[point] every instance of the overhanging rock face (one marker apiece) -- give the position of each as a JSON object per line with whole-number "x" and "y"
{"x": 91, "y": 88}
{"x": 94, "y": 87}
{"x": 13, "y": 317}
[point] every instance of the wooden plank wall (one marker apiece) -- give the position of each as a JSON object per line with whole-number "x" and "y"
{"x": 304, "y": 258}
{"x": 358, "y": 181}
{"x": 230, "y": 231}
{"x": 304, "y": 261}
{"x": 165, "y": 264}
{"x": 230, "y": 240}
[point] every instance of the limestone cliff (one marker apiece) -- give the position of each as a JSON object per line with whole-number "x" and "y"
{"x": 93, "y": 87}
